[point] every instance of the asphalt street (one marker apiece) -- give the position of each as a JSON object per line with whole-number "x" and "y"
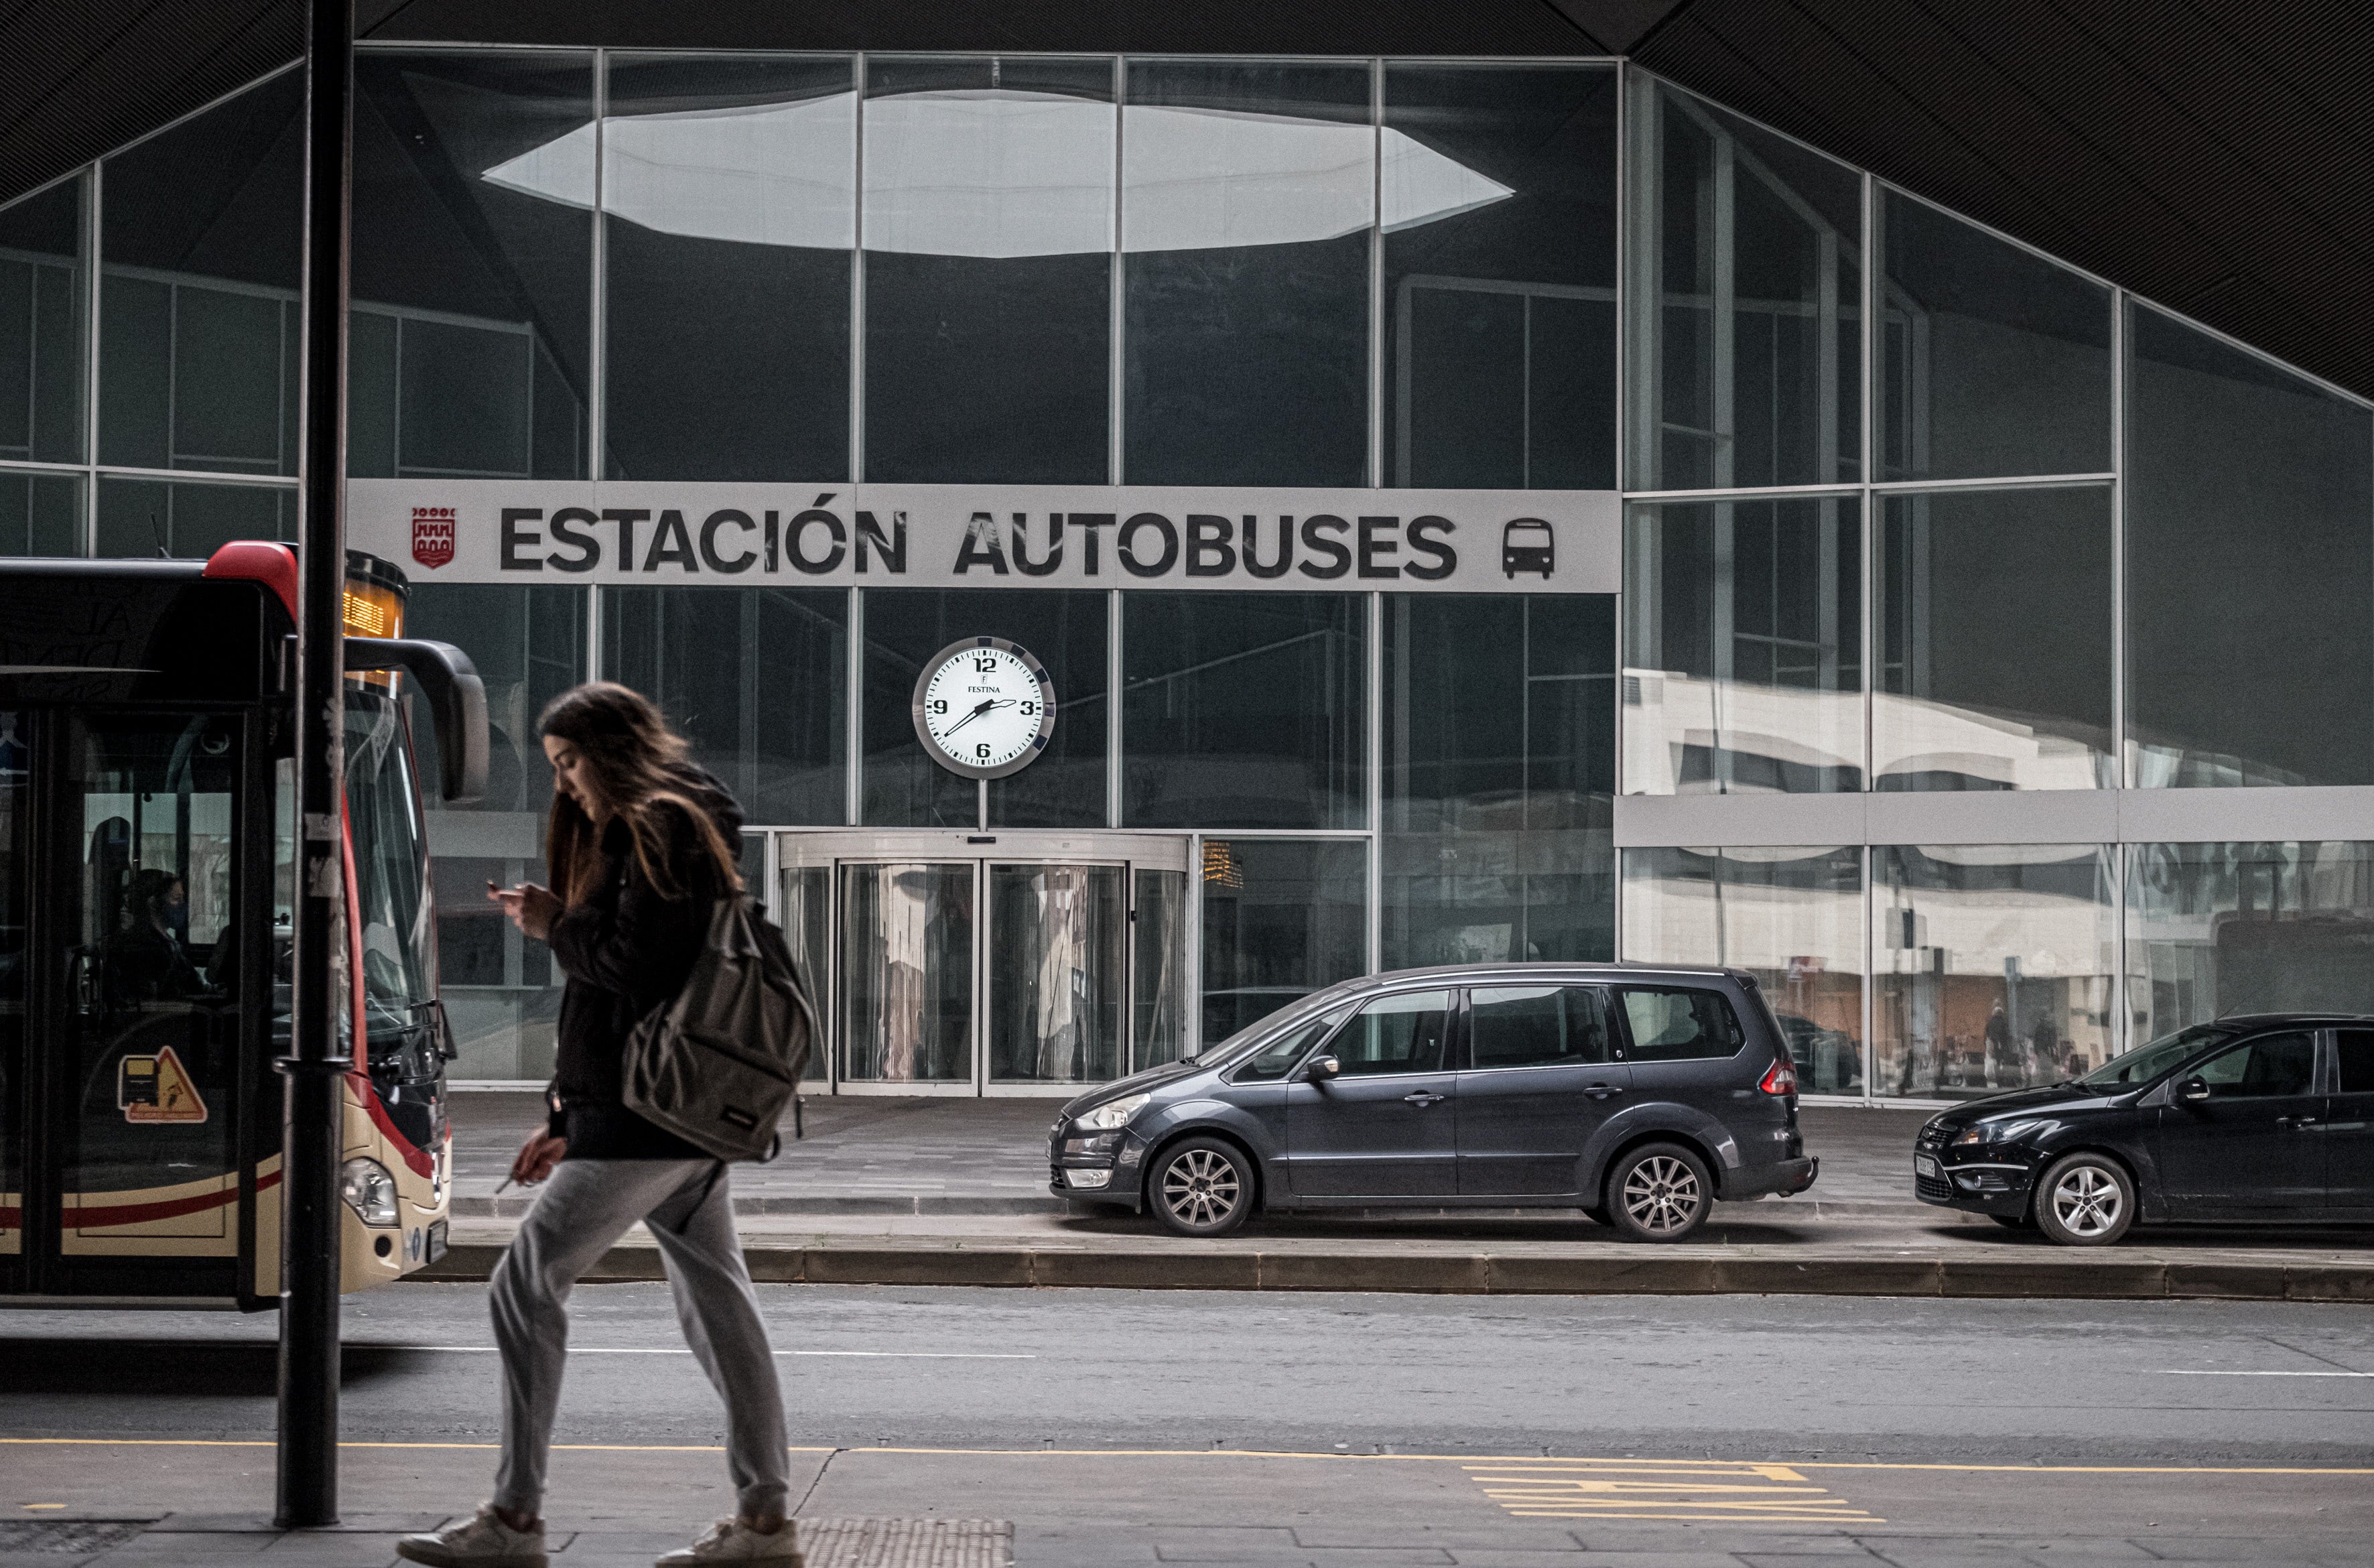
{"x": 1121, "y": 1427}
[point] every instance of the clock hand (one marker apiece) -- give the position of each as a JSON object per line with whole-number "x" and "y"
{"x": 986, "y": 704}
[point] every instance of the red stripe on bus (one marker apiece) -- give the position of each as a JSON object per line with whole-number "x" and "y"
{"x": 90, "y": 1216}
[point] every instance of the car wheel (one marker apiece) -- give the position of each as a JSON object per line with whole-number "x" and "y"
{"x": 1201, "y": 1188}
{"x": 1660, "y": 1192}
{"x": 2013, "y": 1221}
{"x": 2085, "y": 1200}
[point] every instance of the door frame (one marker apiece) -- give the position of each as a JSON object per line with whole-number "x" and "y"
{"x": 833, "y": 849}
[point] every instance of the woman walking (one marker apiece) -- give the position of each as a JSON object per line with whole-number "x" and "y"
{"x": 640, "y": 849}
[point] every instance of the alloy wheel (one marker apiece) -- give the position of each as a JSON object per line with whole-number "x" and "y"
{"x": 1661, "y": 1194}
{"x": 2087, "y": 1202}
{"x": 1201, "y": 1188}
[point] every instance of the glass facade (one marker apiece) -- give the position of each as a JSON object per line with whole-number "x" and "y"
{"x": 1942, "y": 561}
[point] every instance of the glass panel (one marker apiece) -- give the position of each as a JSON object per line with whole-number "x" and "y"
{"x": 41, "y": 514}
{"x": 1159, "y": 928}
{"x": 1993, "y": 360}
{"x": 155, "y": 517}
{"x": 1244, "y": 710}
{"x": 1282, "y": 918}
{"x": 1744, "y": 652}
{"x": 2219, "y": 929}
{"x": 1744, "y": 332}
{"x": 1056, "y": 936}
{"x": 2356, "y": 1061}
{"x": 757, "y": 678}
{"x": 807, "y": 928}
{"x": 1993, "y": 617}
{"x": 1537, "y": 1025}
{"x": 2277, "y": 1067}
{"x": 1248, "y": 198}
{"x": 16, "y": 921}
{"x": 1064, "y": 629}
{"x": 1499, "y": 758}
{"x": 989, "y": 239}
{"x": 1792, "y": 917}
{"x": 1995, "y": 964}
{"x": 1394, "y": 1034}
{"x": 201, "y": 236}
{"x": 2250, "y": 560}
{"x": 1499, "y": 276}
{"x": 44, "y": 262}
{"x": 727, "y": 223}
{"x": 473, "y": 230}
{"x": 390, "y": 846}
{"x": 152, "y": 804}
{"x": 906, "y": 976}
{"x": 1675, "y": 1025}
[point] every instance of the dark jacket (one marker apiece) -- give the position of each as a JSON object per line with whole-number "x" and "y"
{"x": 625, "y": 950}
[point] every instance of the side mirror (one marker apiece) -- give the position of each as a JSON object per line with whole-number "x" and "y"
{"x": 1319, "y": 1069}
{"x": 2191, "y": 1091}
{"x": 457, "y": 704}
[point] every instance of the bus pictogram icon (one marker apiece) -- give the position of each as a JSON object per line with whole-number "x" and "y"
{"x": 1527, "y": 545}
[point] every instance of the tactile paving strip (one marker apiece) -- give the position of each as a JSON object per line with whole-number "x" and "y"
{"x": 907, "y": 1543}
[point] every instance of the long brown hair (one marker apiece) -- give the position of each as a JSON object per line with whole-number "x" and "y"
{"x": 631, "y": 762}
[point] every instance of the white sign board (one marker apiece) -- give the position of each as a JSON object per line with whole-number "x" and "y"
{"x": 729, "y": 535}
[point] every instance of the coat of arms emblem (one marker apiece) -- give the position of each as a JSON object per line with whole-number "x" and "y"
{"x": 432, "y": 536}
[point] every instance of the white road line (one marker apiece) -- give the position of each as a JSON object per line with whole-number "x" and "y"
{"x": 612, "y": 1350}
{"x": 2188, "y": 1372}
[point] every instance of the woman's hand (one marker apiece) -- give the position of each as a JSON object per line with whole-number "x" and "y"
{"x": 537, "y": 1157}
{"x": 532, "y": 908}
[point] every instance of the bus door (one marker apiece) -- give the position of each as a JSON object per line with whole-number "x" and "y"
{"x": 138, "y": 1018}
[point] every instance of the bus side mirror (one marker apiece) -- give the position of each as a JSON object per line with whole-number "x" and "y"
{"x": 457, "y": 704}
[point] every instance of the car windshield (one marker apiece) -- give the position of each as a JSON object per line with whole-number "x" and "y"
{"x": 2147, "y": 1062}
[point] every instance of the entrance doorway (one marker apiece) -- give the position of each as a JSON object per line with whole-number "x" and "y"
{"x": 989, "y": 963}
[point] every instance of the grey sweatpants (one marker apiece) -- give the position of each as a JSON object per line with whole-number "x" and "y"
{"x": 586, "y": 1207}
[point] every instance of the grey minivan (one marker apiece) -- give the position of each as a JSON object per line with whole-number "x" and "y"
{"x": 1638, "y": 1094}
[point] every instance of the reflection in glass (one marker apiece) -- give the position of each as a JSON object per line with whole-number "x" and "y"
{"x": 1282, "y": 918}
{"x": 1243, "y": 709}
{"x": 45, "y": 267}
{"x": 1499, "y": 333}
{"x": 1995, "y": 966}
{"x": 1246, "y": 214}
{"x": 1743, "y": 663}
{"x": 2217, "y": 930}
{"x": 989, "y": 270}
{"x": 1745, "y": 335}
{"x": 477, "y": 360}
{"x": 152, "y": 517}
{"x": 1063, "y": 629}
{"x": 1992, "y": 360}
{"x": 1499, "y": 758}
{"x": 727, "y": 225}
{"x": 199, "y": 235}
{"x": 1792, "y": 917}
{"x": 1992, "y": 612}
{"x": 41, "y": 514}
{"x": 2250, "y": 596}
{"x": 1056, "y": 972}
{"x": 1159, "y": 928}
{"x": 754, "y": 678}
{"x": 906, "y": 976}
{"x": 17, "y": 765}
{"x": 806, "y": 923}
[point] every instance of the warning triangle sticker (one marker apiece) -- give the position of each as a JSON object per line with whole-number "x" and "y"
{"x": 157, "y": 1088}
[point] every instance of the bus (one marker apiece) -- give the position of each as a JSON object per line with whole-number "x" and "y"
{"x": 148, "y": 860}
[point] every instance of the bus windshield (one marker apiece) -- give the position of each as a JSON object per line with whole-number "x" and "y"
{"x": 391, "y": 864}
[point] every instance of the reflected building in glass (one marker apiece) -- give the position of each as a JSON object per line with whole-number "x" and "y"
{"x": 1979, "y": 656}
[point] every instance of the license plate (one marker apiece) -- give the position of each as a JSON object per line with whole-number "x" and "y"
{"x": 436, "y": 1240}
{"x": 1925, "y": 1165}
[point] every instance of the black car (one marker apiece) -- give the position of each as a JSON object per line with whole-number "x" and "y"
{"x": 1638, "y": 1095}
{"x": 2253, "y": 1118}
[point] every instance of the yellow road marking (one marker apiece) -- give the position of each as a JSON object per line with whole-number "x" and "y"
{"x": 1631, "y": 1489}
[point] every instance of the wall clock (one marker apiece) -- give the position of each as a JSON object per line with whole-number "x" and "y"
{"x": 985, "y": 708}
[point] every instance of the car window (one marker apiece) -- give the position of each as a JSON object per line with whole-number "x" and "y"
{"x": 2266, "y": 1068}
{"x": 1533, "y": 1026}
{"x": 1670, "y": 1024}
{"x": 2147, "y": 1062}
{"x": 1393, "y": 1034}
{"x": 2356, "y": 1061}
{"x": 1278, "y": 1057}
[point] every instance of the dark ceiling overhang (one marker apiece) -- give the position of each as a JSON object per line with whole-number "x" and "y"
{"x": 2212, "y": 155}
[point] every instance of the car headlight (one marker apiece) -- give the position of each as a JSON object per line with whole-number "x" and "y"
{"x": 1113, "y": 1114}
{"x": 1999, "y": 1132}
{"x": 368, "y": 1190}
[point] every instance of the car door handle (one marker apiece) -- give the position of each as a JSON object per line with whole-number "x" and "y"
{"x": 1601, "y": 1091}
{"x": 2295, "y": 1121}
{"x": 1421, "y": 1099}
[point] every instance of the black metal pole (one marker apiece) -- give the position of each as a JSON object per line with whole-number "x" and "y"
{"x": 308, "y": 1493}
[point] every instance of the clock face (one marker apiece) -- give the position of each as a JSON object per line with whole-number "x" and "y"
{"x": 985, "y": 708}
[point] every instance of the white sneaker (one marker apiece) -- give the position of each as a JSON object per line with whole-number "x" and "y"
{"x": 730, "y": 1540}
{"x": 481, "y": 1542}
